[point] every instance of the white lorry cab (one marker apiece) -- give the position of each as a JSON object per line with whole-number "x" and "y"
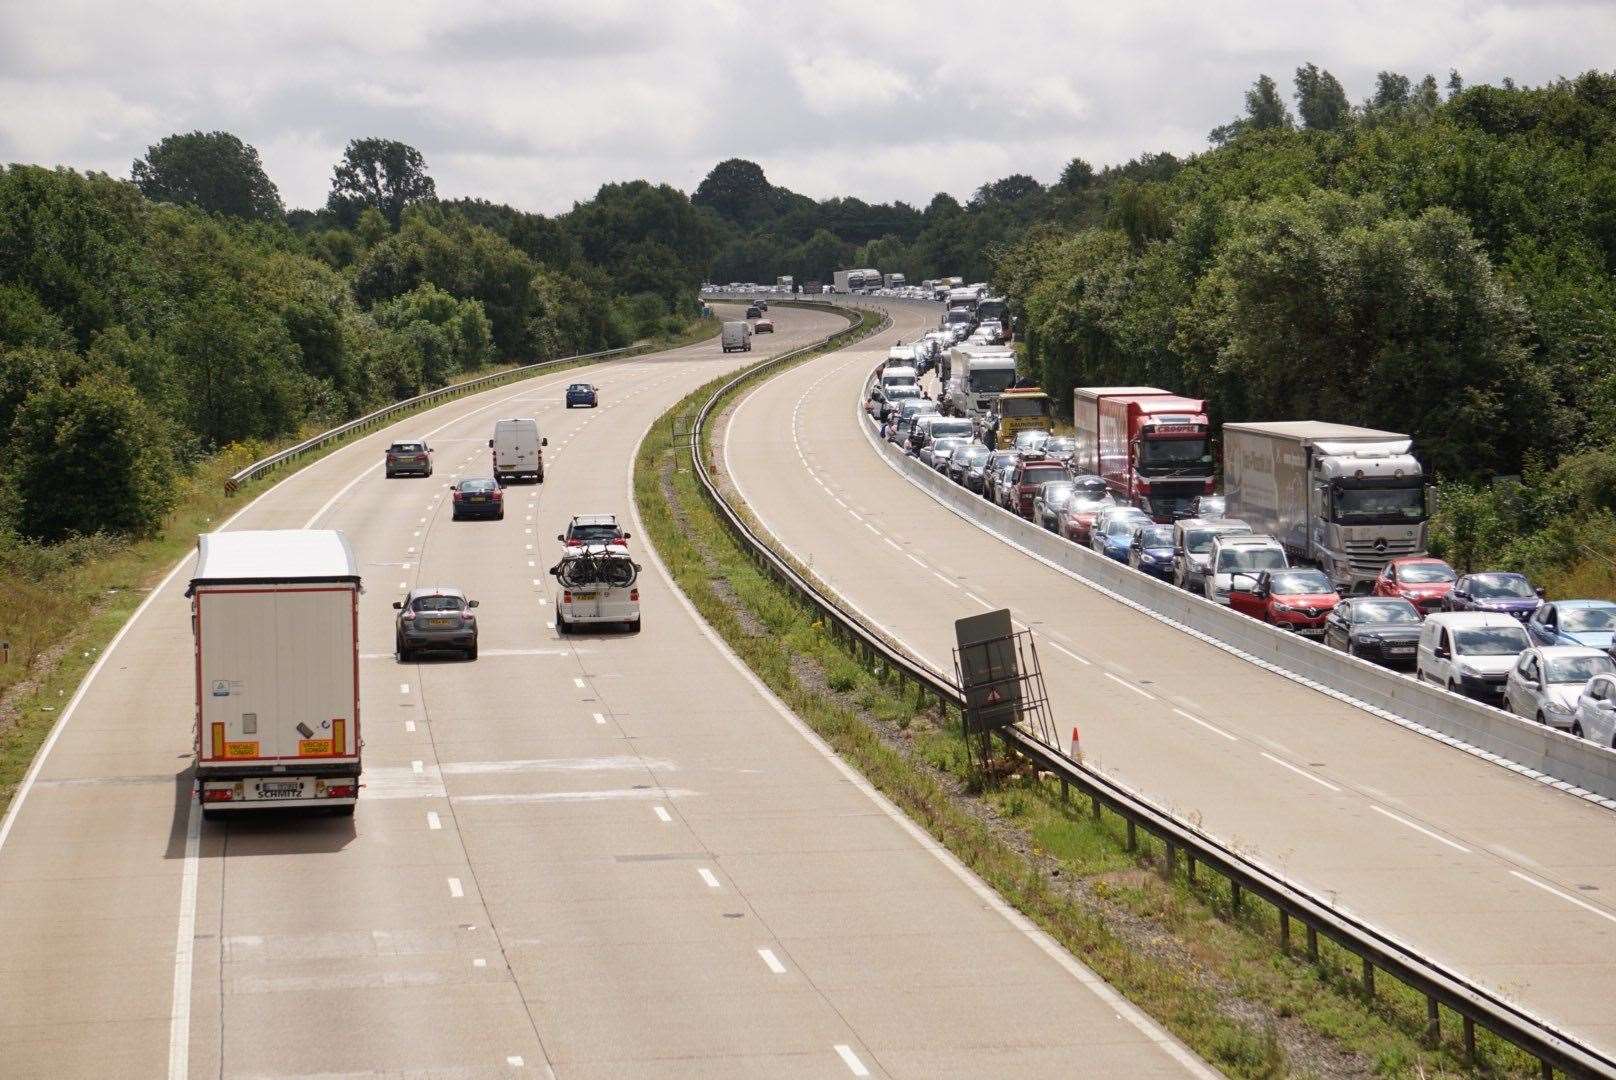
{"x": 599, "y": 584}
{"x": 518, "y": 449}
{"x": 737, "y": 336}
{"x": 275, "y": 622}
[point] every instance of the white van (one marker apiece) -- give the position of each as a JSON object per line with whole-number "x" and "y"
{"x": 518, "y": 449}
{"x": 898, "y": 375}
{"x": 1470, "y": 652}
{"x": 737, "y": 336}
{"x": 599, "y": 584}
{"x": 1235, "y": 561}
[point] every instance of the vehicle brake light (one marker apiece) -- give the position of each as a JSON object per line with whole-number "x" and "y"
{"x": 498, "y": 494}
{"x": 634, "y": 595}
{"x": 222, "y": 794}
{"x": 566, "y": 597}
{"x": 341, "y": 791}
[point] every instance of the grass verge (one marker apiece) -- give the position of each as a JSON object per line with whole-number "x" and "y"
{"x": 1176, "y": 948}
{"x": 60, "y": 606}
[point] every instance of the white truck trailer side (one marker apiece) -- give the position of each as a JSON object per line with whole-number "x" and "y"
{"x": 275, "y": 623}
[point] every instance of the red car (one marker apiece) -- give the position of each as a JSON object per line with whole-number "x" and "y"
{"x": 1295, "y": 600}
{"x": 1419, "y": 579}
{"x": 1077, "y": 517}
{"x": 1030, "y": 474}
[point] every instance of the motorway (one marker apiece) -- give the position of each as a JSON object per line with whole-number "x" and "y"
{"x": 602, "y": 855}
{"x": 1505, "y": 879}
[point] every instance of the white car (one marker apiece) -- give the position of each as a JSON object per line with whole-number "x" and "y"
{"x": 1235, "y": 561}
{"x": 1546, "y": 682}
{"x": 1596, "y": 711}
{"x": 1470, "y": 652}
{"x": 599, "y": 585}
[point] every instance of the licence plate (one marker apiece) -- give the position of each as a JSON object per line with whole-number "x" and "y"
{"x": 587, "y": 595}
{"x": 442, "y": 624}
{"x": 1309, "y": 631}
{"x": 283, "y": 789}
{"x": 1400, "y": 650}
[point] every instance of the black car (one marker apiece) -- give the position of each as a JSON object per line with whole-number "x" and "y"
{"x": 754, "y": 312}
{"x": 1503, "y": 593}
{"x": 1385, "y": 629}
{"x": 582, "y": 394}
{"x": 478, "y": 497}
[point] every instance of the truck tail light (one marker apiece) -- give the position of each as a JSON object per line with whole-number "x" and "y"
{"x": 220, "y": 794}
{"x": 342, "y": 791}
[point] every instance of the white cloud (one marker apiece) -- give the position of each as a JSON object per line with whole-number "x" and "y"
{"x": 537, "y": 103}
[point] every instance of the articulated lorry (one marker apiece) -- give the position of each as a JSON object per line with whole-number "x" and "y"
{"x": 1152, "y": 447}
{"x": 275, "y": 622}
{"x": 977, "y": 375}
{"x": 787, "y": 282}
{"x": 1345, "y": 499}
{"x": 894, "y": 281}
{"x": 852, "y": 281}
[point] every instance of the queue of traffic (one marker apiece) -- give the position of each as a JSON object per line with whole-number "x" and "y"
{"x": 1321, "y": 530}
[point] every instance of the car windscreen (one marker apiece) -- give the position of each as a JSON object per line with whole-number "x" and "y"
{"x": 1385, "y": 612}
{"x": 1425, "y": 574}
{"x": 1029, "y": 440}
{"x": 1379, "y": 506}
{"x": 406, "y": 447}
{"x": 1199, "y": 541}
{"x": 1299, "y": 583}
{"x": 1491, "y": 640}
{"x": 1023, "y": 406}
{"x": 893, "y": 381}
{"x": 894, "y": 393}
{"x": 438, "y": 603}
{"x": 1582, "y": 619}
{"x": 1060, "y": 444}
{"x": 1248, "y": 559}
{"x": 973, "y": 455}
{"x": 1156, "y": 536}
{"x": 1123, "y": 524}
{"x": 943, "y": 428}
{"x": 580, "y": 386}
{"x": 992, "y": 381}
{"x": 1043, "y": 474}
{"x": 1209, "y": 506}
{"x": 595, "y": 534}
{"x": 1579, "y": 669}
{"x": 1500, "y": 587}
{"x": 478, "y": 486}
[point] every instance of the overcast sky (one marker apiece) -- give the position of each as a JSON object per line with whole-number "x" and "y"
{"x": 537, "y": 103}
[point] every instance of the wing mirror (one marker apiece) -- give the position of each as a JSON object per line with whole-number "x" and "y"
{"x": 628, "y": 536}
{"x": 1442, "y": 652}
{"x": 544, "y": 442}
{"x": 472, "y": 603}
{"x": 490, "y": 444}
{"x": 398, "y": 605}
{"x": 561, "y": 537}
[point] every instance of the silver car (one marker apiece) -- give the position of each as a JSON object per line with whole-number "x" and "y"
{"x": 1546, "y": 681}
{"x": 435, "y": 618}
{"x": 1596, "y": 711}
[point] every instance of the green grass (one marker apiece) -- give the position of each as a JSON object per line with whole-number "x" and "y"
{"x": 72, "y": 599}
{"x": 1213, "y": 977}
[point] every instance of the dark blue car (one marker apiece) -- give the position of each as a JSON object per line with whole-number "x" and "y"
{"x": 1113, "y": 531}
{"x": 1505, "y": 594}
{"x": 581, "y": 393}
{"x": 1574, "y": 622}
{"x": 1151, "y": 551}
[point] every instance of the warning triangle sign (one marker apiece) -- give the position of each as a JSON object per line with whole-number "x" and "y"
{"x": 994, "y": 697}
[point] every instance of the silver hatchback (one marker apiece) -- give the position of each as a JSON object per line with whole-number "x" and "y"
{"x": 435, "y": 618}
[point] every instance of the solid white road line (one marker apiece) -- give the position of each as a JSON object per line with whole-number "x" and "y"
{"x": 179, "y": 1017}
{"x": 772, "y": 961}
{"x": 1303, "y": 773}
{"x": 950, "y": 582}
{"x": 708, "y": 877}
{"x": 1210, "y": 727}
{"x": 1124, "y": 682}
{"x": 1564, "y": 896}
{"x": 1418, "y": 828}
{"x": 850, "y": 1059}
{"x": 1061, "y": 648}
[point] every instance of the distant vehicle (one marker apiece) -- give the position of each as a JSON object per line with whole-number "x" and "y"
{"x": 910, "y": 413}
{"x": 1298, "y": 600}
{"x": 761, "y": 304}
{"x": 1384, "y": 629}
{"x": 1154, "y": 448}
{"x": 927, "y": 428}
{"x": 1113, "y": 530}
{"x": 737, "y": 337}
{"x": 437, "y": 618}
{"x": 1029, "y": 442}
{"x": 1596, "y": 711}
{"x": 518, "y": 449}
{"x": 966, "y": 466}
{"x": 275, "y": 624}
{"x": 1235, "y": 558}
{"x": 1207, "y": 507}
{"x": 1345, "y": 499}
{"x": 898, "y": 375}
{"x": 1060, "y": 448}
{"x": 414, "y": 457}
{"x": 477, "y": 496}
{"x": 598, "y": 587}
{"x": 763, "y": 326}
{"x": 582, "y": 394}
{"x": 882, "y": 402}
{"x": 855, "y": 281}
{"x": 1150, "y": 551}
{"x": 1004, "y": 485}
{"x": 1192, "y": 549}
{"x": 1030, "y": 474}
{"x": 1510, "y": 594}
{"x": 995, "y": 464}
{"x": 1421, "y": 580}
{"x": 1052, "y": 497}
{"x": 1546, "y": 681}
{"x": 1573, "y": 622}
{"x": 586, "y": 529}
{"x": 754, "y": 312}
{"x": 938, "y": 450}
{"x": 977, "y": 375}
{"x": 1077, "y": 517}
{"x": 1470, "y": 652}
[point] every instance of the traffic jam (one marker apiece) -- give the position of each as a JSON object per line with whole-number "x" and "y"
{"x": 1315, "y": 528}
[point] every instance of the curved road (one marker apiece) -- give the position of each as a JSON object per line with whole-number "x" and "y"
{"x": 1496, "y": 875}
{"x": 596, "y": 856}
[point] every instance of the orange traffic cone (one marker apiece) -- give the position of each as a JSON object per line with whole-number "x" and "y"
{"x": 1077, "y": 746}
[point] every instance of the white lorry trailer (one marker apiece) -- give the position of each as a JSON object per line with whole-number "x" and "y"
{"x": 1346, "y": 499}
{"x": 275, "y": 623}
{"x": 518, "y": 449}
{"x": 977, "y": 375}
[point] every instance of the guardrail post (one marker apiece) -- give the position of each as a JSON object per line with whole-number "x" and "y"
{"x": 1368, "y": 978}
{"x": 1066, "y": 791}
{"x": 1094, "y": 804}
{"x": 1433, "y": 1022}
{"x": 1545, "y": 1070}
{"x": 1313, "y": 944}
{"x": 1189, "y": 865}
{"x": 1284, "y": 931}
{"x": 1170, "y": 862}
{"x": 1234, "y": 896}
{"x": 1469, "y": 1040}
{"x": 1133, "y": 836}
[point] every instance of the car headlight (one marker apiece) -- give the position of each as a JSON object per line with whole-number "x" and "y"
{"x": 1556, "y": 708}
{"x": 1283, "y": 607}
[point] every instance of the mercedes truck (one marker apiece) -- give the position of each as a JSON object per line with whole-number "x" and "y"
{"x": 1345, "y": 499}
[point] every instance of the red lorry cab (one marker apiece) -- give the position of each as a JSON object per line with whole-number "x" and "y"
{"x": 1153, "y": 448}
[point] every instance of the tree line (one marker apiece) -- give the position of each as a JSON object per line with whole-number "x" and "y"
{"x": 145, "y": 324}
